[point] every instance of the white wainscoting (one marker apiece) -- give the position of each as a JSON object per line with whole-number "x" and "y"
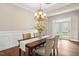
{"x": 9, "y": 39}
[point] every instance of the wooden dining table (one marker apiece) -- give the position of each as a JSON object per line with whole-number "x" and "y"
{"x": 33, "y": 45}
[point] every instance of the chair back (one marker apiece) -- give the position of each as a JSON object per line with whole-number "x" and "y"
{"x": 56, "y": 41}
{"x": 27, "y": 36}
{"x": 48, "y": 46}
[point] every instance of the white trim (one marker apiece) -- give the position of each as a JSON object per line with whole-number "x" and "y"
{"x": 24, "y": 7}
{"x": 64, "y": 11}
{"x": 57, "y": 6}
{"x": 9, "y": 39}
{"x": 74, "y": 40}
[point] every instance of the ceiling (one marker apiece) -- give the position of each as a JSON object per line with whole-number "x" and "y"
{"x": 36, "y": 6}
{"x": 45, "y": 6}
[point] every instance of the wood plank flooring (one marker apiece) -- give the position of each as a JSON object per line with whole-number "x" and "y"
{"x": 66, "y": 48}
{"x": 10, "y": 52}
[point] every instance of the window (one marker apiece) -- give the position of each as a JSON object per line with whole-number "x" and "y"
{"x": 62, "y": 27}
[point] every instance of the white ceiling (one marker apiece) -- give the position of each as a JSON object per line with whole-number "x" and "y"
{"x": 46, "y": 6}
{"x": 36, "y": 6}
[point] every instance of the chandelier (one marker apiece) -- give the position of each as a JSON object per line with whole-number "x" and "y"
{"x": 40, "y": 15}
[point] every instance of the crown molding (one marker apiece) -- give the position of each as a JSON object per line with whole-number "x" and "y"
{"x": 57, "y": 6}
{"x": 52, "y": 7}
{"x": 23, "y": 6}
{"x": 73, "y": 7}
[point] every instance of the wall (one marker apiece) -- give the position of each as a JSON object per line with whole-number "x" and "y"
{"x": 13, "y": 18}
{"x": 74, "y": 23}
{"x": 14, "y": 21}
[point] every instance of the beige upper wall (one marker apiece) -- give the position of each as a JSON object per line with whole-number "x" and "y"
{"x": 13, "y": 18}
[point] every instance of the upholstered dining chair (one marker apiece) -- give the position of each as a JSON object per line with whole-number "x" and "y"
{"x": 45, "y": 50}
{"x": 55, "y": 46}
{"x": 25, "y": 36}
{"x": 51, "y": 44}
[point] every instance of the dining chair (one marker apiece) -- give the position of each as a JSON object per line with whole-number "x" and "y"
{"x": 45, "y": 50}
{"x": 25, "y": 36}
{"x": 55, "y": 46}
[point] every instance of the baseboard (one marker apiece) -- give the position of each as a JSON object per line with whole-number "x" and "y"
{"x": 9, "y": 48}
{"x": 73, "y": 40}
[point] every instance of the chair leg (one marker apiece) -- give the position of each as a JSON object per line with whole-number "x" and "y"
{"x": 54, "y": 52}
{"x": 24, "y": 53}
{"x": 57, "y": 51}
{"x": 50, "y": 54}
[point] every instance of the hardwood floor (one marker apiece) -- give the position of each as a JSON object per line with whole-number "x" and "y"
{"x": 66, "y": 48}
{"x": 10, "y": 52}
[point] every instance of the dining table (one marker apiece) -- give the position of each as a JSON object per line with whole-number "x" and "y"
{"x": 31, "y": 44}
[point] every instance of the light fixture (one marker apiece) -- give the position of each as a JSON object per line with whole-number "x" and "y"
{"x": 40, "y": 15}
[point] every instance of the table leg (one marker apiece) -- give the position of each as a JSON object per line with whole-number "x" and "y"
{"x": 30, "y": 52}
{"x": 19, "y": 52}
